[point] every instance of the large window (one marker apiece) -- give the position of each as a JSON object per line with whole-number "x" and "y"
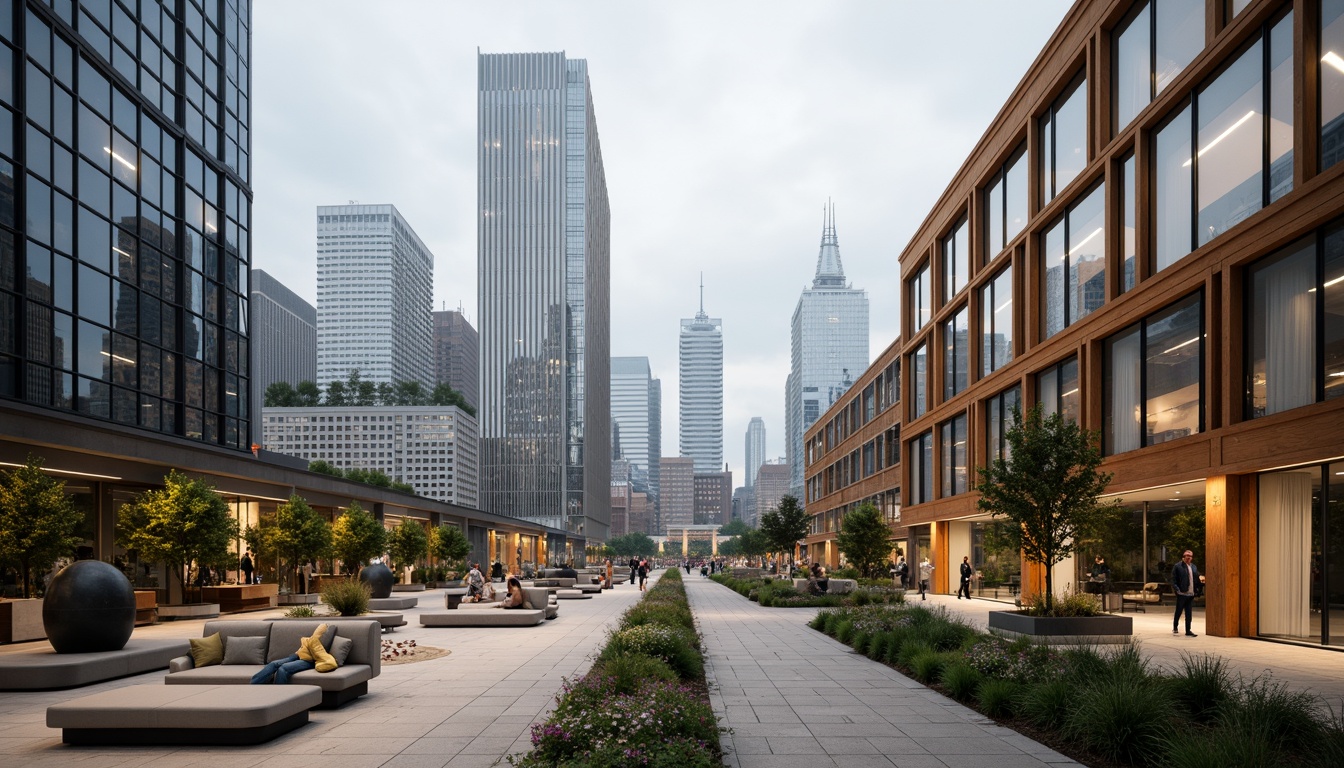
{"x": 1006, "y": 204}
{"x": 1073, "y": 266}
{"x": 956, "y": 260}
{"x": 920, "y": 382}
{"x": 1300, "y": 538}
{"x": 1296, "y": 296}
{"x": 1243, "y": 128}
{"x": 999, "y": 415}
{"x": 1064, "y": 140}
{"x": 920, "y": 459}
{"x": 1154, "y": 379}
{"x": 921, "y": 299}
{"x": 1128, "y": 219}
{"x": 996, "y": 322}
{"x": 956, "y": 343}
{"x": 954, "y": 456}
{"x": 1057, "y": 390}
{"x": 1332, "y": 82}
{"x": 1152, "y": 47}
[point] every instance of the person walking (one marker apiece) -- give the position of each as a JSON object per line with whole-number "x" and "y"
{"x": 643, "y": 573}
{"x": 902, "y": 572}
{"x": 634, "y": 568}
{"x": 1186, "y": 583}
{"x": 966, "y": 572}
{"x": 925, "y": 573}
{"x": 475, "y": 584}
{"x": 246, "y": 566}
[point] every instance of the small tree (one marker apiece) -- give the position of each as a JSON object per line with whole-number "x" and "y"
{"x": 752, "y": 544}
{"x": 449, "y": 545}
{"x": 38, "y": 522}
{"x": 181, "y": 525}
{"x": 357, "y": 537}
{"x": 297, "y": 534}
{"x": 865, "y": 539}
{"x": 408, "y": 543}
{"x": 734, "y": 528}
{"x": 631, "y": 544}
{"x": 1046, "y": 489}
{"x": 785, "y": 525}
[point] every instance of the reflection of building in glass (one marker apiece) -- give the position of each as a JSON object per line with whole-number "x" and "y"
{"x": 829, "y": 343}
{"x": 543, "y": 257}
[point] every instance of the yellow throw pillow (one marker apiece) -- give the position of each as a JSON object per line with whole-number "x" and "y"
{"x": 325, "y": 661}
{"x": 306, "y": 643}
{"x": 207, "y": 651}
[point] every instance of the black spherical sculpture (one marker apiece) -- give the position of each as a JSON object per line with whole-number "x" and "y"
{"x": 379, "y": 579}
{"x": 90, "y": 607}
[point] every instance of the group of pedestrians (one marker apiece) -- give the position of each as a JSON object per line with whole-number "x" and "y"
{"x": 639, "y": 570}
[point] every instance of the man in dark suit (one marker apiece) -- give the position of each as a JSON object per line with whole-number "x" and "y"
{"x": 1186, "y": 583}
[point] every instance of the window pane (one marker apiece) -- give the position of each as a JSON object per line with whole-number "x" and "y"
{"x": 955, "y": 343}
{"x": 1123, "y": 410}
{"x": 1283, "y": 331}
{"x": 1071, "y": 136}
{"x": 921, "y": 299}
{"x": 1172, "y": 190}
{"x": 1047, "y": 390}
{"x": 1180, "y": 37}
{"x": 921, "y": 382}
{"x": 996, "y": 324}
{"x": 1174, "y": 352}
{"x": 956, "y": 261}
{"x": 1070, "y": 397}
{"x": 1087, "y": 255}
{"x": 1231, "y": 141}
{"x": 1053, "y": 268}
{"x": 1128, "y": 206}
{"x": 994, "y": 219}
{"x": 1133, "y": 69}
{"x": 1332, "y": 82}
{"x": 1015, "y": 195}
{"x": 1334, "y": 313}
{"x": 1281, "y": 108}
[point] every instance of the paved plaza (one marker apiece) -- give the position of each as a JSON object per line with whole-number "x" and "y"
{"x": 791, "y": 696}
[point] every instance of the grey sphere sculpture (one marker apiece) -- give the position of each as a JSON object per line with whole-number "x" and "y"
{"x": 89, "y": 607}
{"x": 379, "y": 579}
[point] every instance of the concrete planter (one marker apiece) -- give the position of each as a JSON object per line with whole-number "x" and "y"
{"x": 21, "y": 620}
{"x": 297, "y": 599}
{"x": 408, "y": 587}
{"x": 1078, "y": 630}
{"x": 193, "y": 611}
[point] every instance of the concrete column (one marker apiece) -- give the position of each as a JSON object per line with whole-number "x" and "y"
{"x": 714, "y": 543}
{"x": 685, "y": 543}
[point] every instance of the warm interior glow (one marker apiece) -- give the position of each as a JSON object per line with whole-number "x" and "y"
{"x": 64, "y": 471}
{"x": 1333, "y": 60}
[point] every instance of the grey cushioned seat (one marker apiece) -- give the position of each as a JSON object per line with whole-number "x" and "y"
{"x": 520, "y": 617}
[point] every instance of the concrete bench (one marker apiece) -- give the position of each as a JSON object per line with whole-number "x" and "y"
{"x": 38, "y": 668}
{"x": 572, "y": 594}
{"x": 520, "y": 617}
{"x": 554, "y": 582}
{"x": 833, "y": 587}
{"x": 343, "y": 684}
{"x": 537, "y": 597}
{"x": 393, "y": 603}
{"x": 184, "y": 714}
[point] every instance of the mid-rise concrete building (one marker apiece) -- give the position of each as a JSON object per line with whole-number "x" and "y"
{"x": 713, "y": 498}
{"x": 772, "y": 484}
{"x": 432, "y": 448}
{"x": 457, "y": 354}
{"x": 677, "y": 503}
{"x": 284, "y": 334}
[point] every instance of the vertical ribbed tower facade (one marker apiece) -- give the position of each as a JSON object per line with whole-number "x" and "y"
{"x": 543, "y": 255}
{"x": 375, "y": 296}
{"x": 755, "y": 455}
{"x": 631, "y": 411}
{"x": 700, "y": 386}
{"x": 829, "y": 347}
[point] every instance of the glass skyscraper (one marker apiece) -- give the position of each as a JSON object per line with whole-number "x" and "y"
{"x": 124, "y": 213}
{"x": 755, "y": 450}
{"x": 632, "y": 412}
{"x": 544, "y": 280}
{"x": 700, "y": 386}
{"x": 829, "y": 347}
{"x": 375, "y": 296}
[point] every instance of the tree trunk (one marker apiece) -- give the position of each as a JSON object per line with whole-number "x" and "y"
{"x": 24, "y": 568}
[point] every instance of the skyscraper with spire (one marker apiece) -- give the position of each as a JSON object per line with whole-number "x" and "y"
{"x": 700, "y": 386}
{"x": 829, "y": 346}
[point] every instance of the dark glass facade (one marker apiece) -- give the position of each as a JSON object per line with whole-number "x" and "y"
{"x": 124, "y": 212}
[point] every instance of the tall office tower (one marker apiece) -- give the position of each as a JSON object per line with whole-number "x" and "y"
{"x": 158, "y": 338}
{"x": 829, "y": 347}
{"x": 284, "y": 335}
{"x": 700, "y": 385}
{"x": 744, "y": 503}
{"x": 755, "y": 455}
{"x": 655, "y": 448}
{"x": 631, "y": 411}
{"x": 543, "y": 251}
{"x": 678, "y": 503}
{"x": 375, "y": 284}
{"x": 772, "y": 484}
{"x": 713, "y": 497}
{"x": 620, "y": 498}
{"x": 457, "y": 354}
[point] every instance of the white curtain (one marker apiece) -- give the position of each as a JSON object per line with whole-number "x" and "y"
{"x": 1125, "y": 416}
{"x": 1290, "y": 331}
{"x": 1285, "y": 554}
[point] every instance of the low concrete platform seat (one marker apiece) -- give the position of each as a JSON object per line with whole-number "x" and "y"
{"x": 833, "y": 586}
{"x": 343, "y": 684}
{"x": 520, "y": 617}
{"x": 184, "y": 714}
{"x": 554, "y": 582}
{"x": 537, "y": 598}
{"x": 37, "y": 667}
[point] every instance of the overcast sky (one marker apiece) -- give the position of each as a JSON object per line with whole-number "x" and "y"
{"x": 725, "y": 126}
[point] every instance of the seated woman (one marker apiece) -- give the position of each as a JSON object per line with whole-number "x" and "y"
{"x": 819, "y": 576}
{"x": 514, "y": 599}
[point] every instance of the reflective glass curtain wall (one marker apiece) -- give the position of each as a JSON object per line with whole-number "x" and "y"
{"x": 133, "y": 235}
{"x": 1301, "y": 595}
{"x": 1153, "y": 386}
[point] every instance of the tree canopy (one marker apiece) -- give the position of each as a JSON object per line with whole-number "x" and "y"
{"x": 295, "y": 533}
{"x": 357, "y": 537}
{"x": 734, "y": 528}
{"x": 354, "y": 391}
{"x": 865, "y": 540}
{"x": 785, "y": 525}
{"x": 631, "y": 544}
{"x": 1046, "y": 486}
{"x": 185, "y": 524}
{"x": 38, "y": 522}
{"x": 448, "y": 544}
{"x": 408, "y": 544}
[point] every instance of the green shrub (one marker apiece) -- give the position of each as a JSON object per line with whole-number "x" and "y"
{"x": 1201, "y": 687}
{"x": 1282, "y": 717}
{"x": 945, "y": 634}
{"x": 658, "y": 612}
{"x": 860, "y": 597}
{"x": 960, "y": 680}
{"x": 301, "y": 612}
{"x": 347, "y": 597}
{"x": 818, "y": 622}
{"x": 673, "y": 645}
{"x": 1085, "y": 664}
{"x": 998, "y": 697}
{"x": 896, "y": 641}
{"x": 1046, "y": 704}
{"x": 877, "y": 646}
{"x": 629, "y": 671}
{"x": 910, "y": 649}
{"x": 927, "y": 665}
{"x": 844, "y": 632}
{"x": 1330, "y": 749}
{"x": 1071, "y": 604}
{"x": 1123, "y": 719}
{"x": 859, "y": 642}
{"x": 1217, "y": 748}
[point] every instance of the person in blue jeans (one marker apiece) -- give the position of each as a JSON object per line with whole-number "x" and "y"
{"x": 282, "y": 670}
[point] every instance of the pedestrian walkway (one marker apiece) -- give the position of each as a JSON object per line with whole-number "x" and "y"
{"x": 795, "y": 698}
{"x": 466, "y": 710}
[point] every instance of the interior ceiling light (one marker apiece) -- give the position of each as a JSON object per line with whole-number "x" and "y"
{"x": 1220, "y": 137}
{"x": 1333, "y": 60}
{"x": 65, "y": 471}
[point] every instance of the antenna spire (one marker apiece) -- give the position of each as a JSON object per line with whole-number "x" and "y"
{"x": 702, "y": 293}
